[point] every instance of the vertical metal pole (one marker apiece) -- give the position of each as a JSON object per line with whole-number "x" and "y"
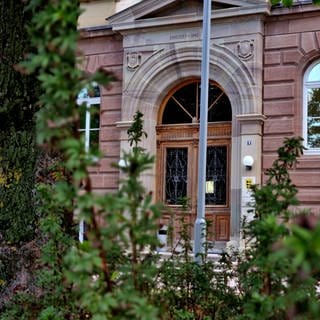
{"x": 200, "y": 223}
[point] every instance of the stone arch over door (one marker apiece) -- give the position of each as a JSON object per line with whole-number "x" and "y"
{"x": 163, "y": 70}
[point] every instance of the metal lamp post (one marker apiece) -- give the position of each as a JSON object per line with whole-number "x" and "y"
{"x": 200, "y": 223}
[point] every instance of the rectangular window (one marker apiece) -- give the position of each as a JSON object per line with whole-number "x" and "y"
{"x": 90, "y": 125}
{"x": 89, "y": 102}
{"x": 216, "y": 175}
{"x": 176, "y": 175}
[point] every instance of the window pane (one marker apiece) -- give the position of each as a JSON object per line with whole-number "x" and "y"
{"x": 94, "y": 139}
{"x": 314, "y": 74}
{"x": 82, "y": 111}
{"x": 92, "y": 92}
{"x": 216, "y": 175}
{"x": 95, "y": 92}
{"x": 173, "y": 114}
{"x": 95, "y": 116}
{"x": 83, "y": 94}
{"x": 314, "y": 102}
{"x": 176, "y": 174}
{"x": 90, "y": 97}
{"x": 221, "y": 110}
{"x": 82, "y": 135}
{"x": 314, "y": 118}
{"x": 184, "y": 105}
{"x": 185, "y": 97}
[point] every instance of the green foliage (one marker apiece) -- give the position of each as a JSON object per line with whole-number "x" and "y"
{"x": 57, "y": 296}
{"x": 136, "y": 132}
{"x": 8, "y": 262}
{"x": 289, "y": 3}
{"x": 110, "y": 275}
{"x": 116, "y": 272}
{"x": 188, "y": 290}
{"x": 196, "y": 291}
{"x": 269, "y": 275}
{"x": 54, "y": 34}
{"x": 118, "y": 256}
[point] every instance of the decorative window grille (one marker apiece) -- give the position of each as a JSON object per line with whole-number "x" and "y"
{"x": 216, "y": 175}
{"x": 176, "y": 175}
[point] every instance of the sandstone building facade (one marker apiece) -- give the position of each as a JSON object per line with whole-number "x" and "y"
{"x": 264, "y": 86}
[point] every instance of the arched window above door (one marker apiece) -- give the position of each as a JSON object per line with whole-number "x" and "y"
{"x": 183, "y": 105}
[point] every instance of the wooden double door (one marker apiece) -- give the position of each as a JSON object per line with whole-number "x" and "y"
{"x": 177, "y": 175}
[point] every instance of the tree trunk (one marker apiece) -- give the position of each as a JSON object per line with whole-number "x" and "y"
{"x": 18, "y": 152}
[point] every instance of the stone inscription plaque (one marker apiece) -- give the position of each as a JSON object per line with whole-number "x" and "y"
{"x": 134, "y": 40}
{"x": 195, "y": 35}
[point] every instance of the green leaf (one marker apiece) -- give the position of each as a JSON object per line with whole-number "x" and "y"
{"x": 287, "y": 3}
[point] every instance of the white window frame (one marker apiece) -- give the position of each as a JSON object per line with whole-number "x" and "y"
{"x": 308, "y": 85}
{"x": 89, "y": 101}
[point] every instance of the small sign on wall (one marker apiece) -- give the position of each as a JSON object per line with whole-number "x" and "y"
{"x": 246, "y": 191}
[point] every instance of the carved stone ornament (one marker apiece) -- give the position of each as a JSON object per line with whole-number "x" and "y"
{"x": 245, "y": 49}
{"x": 133, "y": 60}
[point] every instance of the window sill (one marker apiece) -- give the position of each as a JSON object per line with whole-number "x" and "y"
{"x": 311, "y": 152}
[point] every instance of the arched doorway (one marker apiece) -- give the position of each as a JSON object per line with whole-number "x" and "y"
{"x": 177, "y": 157}
{"x": 147, "y": 90}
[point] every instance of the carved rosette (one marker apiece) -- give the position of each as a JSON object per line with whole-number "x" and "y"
{"x": 245, "y": 49}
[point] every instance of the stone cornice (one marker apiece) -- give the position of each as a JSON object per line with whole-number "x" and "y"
{"x": 186, "y": 18}
{"x": 251, "y": 124}
{"x": 157, "y": 22}
{"x": 124, "y": 124}
{"x": 138, "y": 10}
{"x": 93, "y": 32}
{"x": 132, "y": 18}
{"x": 251, "y": 117}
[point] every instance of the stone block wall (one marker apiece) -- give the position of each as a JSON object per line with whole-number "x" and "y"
{"x": 292, "y": 43}
{"x": 104, "y": 50}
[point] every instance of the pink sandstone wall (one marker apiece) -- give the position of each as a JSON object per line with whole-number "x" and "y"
{"x": 290, "y": 46}
{"x": 105, "y": 51}
{"x": 292, "y": 42}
